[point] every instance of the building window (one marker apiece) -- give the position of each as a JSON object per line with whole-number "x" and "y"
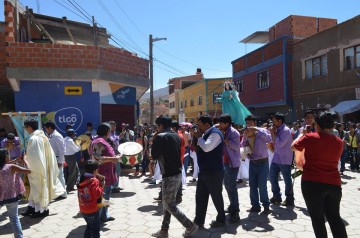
{"x": 263, "y": 79}
{"x": 352, "y": 57}
{"x": 172, "y": 105}
{"x": 200, "y": 100}
{"x": 185, "y": 104}
{"x": 239, "y": 86}
{"x": 192, "y": 102}
{"x": 181, "y": 104}
{"x": 316, "y": 67}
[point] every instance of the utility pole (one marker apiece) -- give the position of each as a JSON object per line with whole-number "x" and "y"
{"x": 151, "y": 80}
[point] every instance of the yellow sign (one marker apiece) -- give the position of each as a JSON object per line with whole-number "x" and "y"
{"x": 73, "y": 90}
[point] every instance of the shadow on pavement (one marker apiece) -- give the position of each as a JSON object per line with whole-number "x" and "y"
{"x": 148, "y": 208}
{"x": 347, "y": 177}
{"x": 122, "y": 194}
{"x": 281, "y": 213}
{"x": 79, "y": 231}
{"x": 257, "y": 222}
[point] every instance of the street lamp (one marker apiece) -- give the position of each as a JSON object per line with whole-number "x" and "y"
{"x": 151, "y": 40}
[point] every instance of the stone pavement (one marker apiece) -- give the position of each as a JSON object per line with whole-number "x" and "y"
{"x": 138, "y": 216}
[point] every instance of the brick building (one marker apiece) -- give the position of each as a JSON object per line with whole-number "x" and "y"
{"x": 263, "y": 77}
{"x": 326, "y": 71}
{"x": 67, "y": 69}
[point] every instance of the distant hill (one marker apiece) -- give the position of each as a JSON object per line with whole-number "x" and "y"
{"x": 161, "y": 92}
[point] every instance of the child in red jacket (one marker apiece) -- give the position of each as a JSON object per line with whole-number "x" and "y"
{"x": 90, "y": 189}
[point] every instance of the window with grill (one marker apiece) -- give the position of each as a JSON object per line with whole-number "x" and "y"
{"x": 263, "y": 79}
{"x": 352, "y": 57}
{"x": 316, "y": 67}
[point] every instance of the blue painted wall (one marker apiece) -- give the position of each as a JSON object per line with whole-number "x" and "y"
{"x": 63, "y": 109}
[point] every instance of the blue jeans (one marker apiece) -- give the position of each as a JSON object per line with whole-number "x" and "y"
{"x": 104, "y": 211}
{"x": 258, "y": 174}
{"x": 92, "y": 225}
{"x": 230, "y": 177}
{"x": 285, "y": 170}
{"x": 12, "y": 209}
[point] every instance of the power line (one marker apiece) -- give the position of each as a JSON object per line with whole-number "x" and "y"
{"x": 71, "y": 10}
{"x": 137, "y": 28}
{"x": 167, "y": 70}
{"x": 89, "y": 18}
{"x": 119, "y": 26}
{"x": 187, "y": 62}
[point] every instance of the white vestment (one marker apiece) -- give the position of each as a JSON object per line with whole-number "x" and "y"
{"x": 44, "y": 183}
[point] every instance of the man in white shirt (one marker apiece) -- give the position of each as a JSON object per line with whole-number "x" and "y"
{"x": 209, "y": 151}
{"x": 70, "y": 158}
{"x": 57, "y": 144}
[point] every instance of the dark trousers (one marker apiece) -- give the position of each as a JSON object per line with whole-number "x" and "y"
{"x": 73, "y": 172}
{"x": 323, "y": 200}
{"x": 209, "y": 183}
{"x": 354, "y": 158}
{"x": 92, "y": 225}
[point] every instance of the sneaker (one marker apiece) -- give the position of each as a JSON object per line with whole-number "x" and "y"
{"x": 288, "y": 203}
{"x": 275, "y": 200}
{"x": 192, "y": 180}
{"x": 240, "y": 181}
{"x": 215, "y": 224}
{"x": 152, "y": 182}
{"x": 161, "y": 234}
{"x": 190, "y": 230}
{"x": 254, "y": 209}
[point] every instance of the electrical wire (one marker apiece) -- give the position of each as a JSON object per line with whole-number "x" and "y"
{"x": 61, "y": 4}
{"x": 131, "y": 21}
{"x": 90, "y": 19}
{"x": 120, "y": 27}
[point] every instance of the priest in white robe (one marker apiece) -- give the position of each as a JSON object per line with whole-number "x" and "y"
{"x": 44, "y": 183}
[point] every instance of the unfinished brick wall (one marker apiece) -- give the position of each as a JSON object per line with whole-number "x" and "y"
{"x": 44, "y": 55}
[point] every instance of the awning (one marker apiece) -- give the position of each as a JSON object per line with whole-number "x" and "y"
{"x": 347, "y": 107}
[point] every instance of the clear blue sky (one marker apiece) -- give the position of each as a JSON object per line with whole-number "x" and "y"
{"x": 201, "y": 33}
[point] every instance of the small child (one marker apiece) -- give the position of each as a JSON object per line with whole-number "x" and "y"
{"x": 11, "y": 189}
{"x": 90, "y": 189}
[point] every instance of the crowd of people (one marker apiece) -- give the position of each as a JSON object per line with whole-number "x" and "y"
{"x": 218, "y": 152}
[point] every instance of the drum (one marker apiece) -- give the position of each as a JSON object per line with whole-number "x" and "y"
{"x": 83, "y": 138}
{"x": 131, "y": 153}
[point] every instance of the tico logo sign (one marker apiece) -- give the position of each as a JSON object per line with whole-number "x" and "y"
{"x": 68, "y": 116}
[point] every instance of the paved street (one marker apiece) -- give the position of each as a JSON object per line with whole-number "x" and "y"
{"x": 138, "y": 216}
